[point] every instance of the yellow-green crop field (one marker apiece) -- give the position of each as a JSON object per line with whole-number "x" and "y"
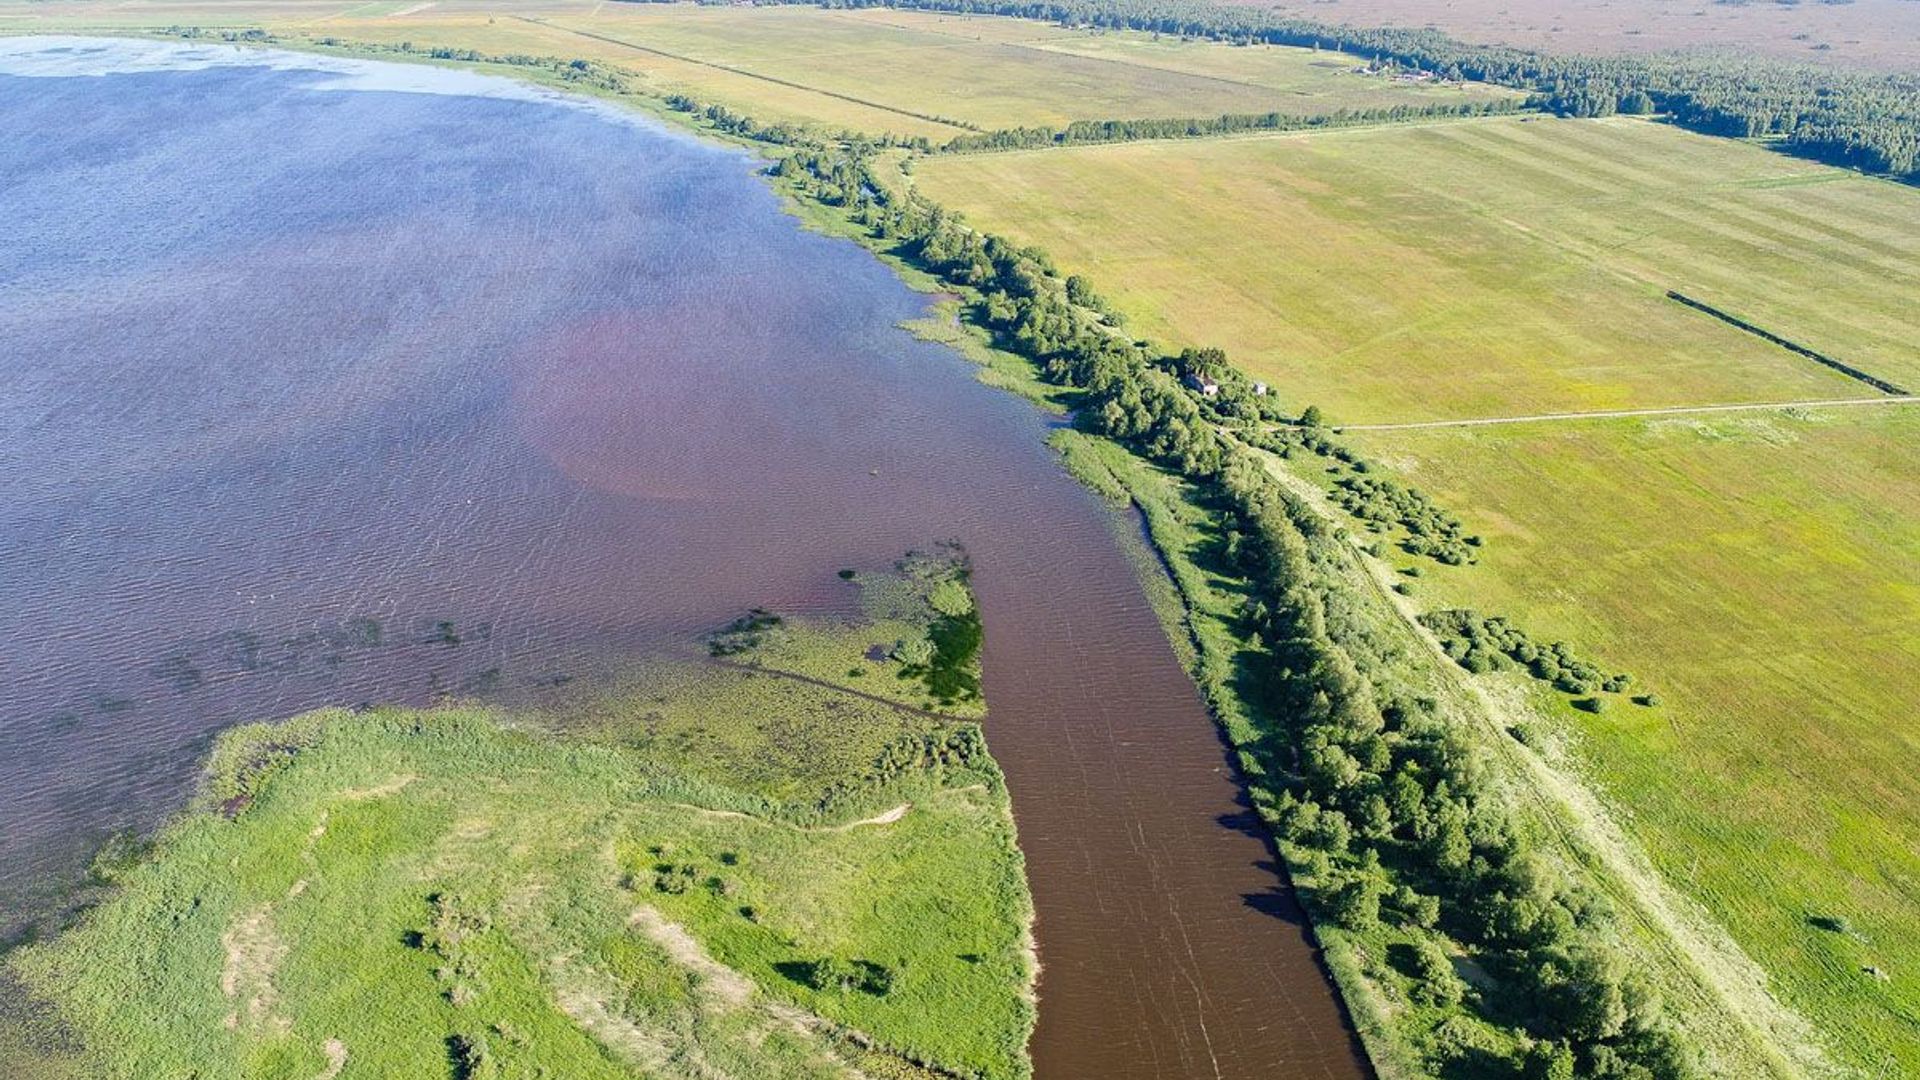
{"x": 1756, "y": 570}
{"x": 1483, "y": 268}
{"x": 874, "y": 71}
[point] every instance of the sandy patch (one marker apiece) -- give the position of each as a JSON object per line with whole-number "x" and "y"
{"x": 254, "y": 951}
{"x": 726, "y": 986}
{"x": 336, "y": 1059}
{"x": 382, "y": 790}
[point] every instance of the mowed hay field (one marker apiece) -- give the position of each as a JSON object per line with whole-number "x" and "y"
{"x": 1760, "y": 572}
{"x": 874, "y": 71}
{"x": 1483, "y": 268}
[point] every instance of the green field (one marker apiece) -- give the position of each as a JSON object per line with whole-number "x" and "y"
{"x": 1754, "y": 569}
{"x": 1485, "y": 268}
{"x": 711, "y": 871}
{"x": 874, "y": 71}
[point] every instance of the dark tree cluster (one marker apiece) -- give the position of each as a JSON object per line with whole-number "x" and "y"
{"x": 1381, "y": 500}
{"x": 1493, "y": 644}
{"x": 1401, "y": 815}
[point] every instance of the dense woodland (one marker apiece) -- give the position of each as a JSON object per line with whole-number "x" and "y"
{"x": 1384, "y": 799}
{"x": 1854, "y": 119}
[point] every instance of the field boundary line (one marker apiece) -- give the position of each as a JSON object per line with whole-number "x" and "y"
{"x": 1248, "y": 135}
{"x": 1794, "y": 347}
{"x": 1613, "y": 414}
{"x": 744, "y": 73}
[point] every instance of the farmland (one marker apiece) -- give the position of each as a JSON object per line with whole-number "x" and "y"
{"x": 873, "y": 71}
{"x": 1755, "y": 568}
{"x": 1476, "y": 269}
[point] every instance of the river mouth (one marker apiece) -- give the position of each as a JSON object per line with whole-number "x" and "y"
{"x": 320, "y": 389}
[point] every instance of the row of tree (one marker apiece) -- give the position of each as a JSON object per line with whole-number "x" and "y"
{"x": 1392, "y": 809}
{"x": 1108, "y": 131}
{"x": 1857, "y": 119}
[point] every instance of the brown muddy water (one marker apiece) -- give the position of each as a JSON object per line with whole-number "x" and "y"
{"x": 374, "y": 384}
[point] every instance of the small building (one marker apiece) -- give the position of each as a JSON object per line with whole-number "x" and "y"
{"x": 1259, "y": 389}
{"x": 1206, "y": 386}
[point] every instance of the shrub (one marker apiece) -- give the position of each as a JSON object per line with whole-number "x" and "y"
{"x": 915, "y": 653}
{"x": 1434, "y": 981}
{"x": 1548, "y": 1061}
{"x": 951, "y": 598}
{"x": 1355, "y": 901}
{"x": 834, "y": 975}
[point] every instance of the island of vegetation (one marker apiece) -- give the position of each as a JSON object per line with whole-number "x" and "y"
{"x": 782, "y": 865}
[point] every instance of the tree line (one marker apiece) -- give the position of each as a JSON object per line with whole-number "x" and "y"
{"x": 1109, "y": 131}
{"x": 1860, "y": 120}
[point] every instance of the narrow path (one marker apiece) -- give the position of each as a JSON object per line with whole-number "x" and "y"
{"x": 744, "y": 73}
{"x": 1609, "y": 414}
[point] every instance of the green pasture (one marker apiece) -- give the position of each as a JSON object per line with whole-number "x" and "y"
{"x": 1481, "y": 268}
{"x": 1756, "y": 572}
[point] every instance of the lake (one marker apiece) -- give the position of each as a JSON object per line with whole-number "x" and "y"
{"x": 325, "y": 382}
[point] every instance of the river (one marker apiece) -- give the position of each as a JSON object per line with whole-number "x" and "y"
{"x": 333, "y": 382}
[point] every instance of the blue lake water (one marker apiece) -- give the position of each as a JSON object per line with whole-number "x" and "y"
{"x": 374, "y": 383}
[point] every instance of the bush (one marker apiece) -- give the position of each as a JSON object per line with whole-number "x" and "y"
{"x": 951, "y": 598}
{"x": 1355, "y": 901}
{"x": 834, "y": 975}
{"x": 1416, "y": 908}
{"x": 1548, "y": 1061}
{"x": 915, "y": 653}
{"x": 1434, "y": 981}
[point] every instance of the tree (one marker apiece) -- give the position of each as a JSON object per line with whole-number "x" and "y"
{"x": 1434, "y": 980}
{"x": 1548, "y": 1061}
{"x": 1354, "y": 901}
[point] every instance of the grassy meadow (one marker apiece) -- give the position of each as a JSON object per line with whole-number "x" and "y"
{"x": 1484, "y": 268}
{"x": 736, "y": 875}
{"x": 1756, "y": 572}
